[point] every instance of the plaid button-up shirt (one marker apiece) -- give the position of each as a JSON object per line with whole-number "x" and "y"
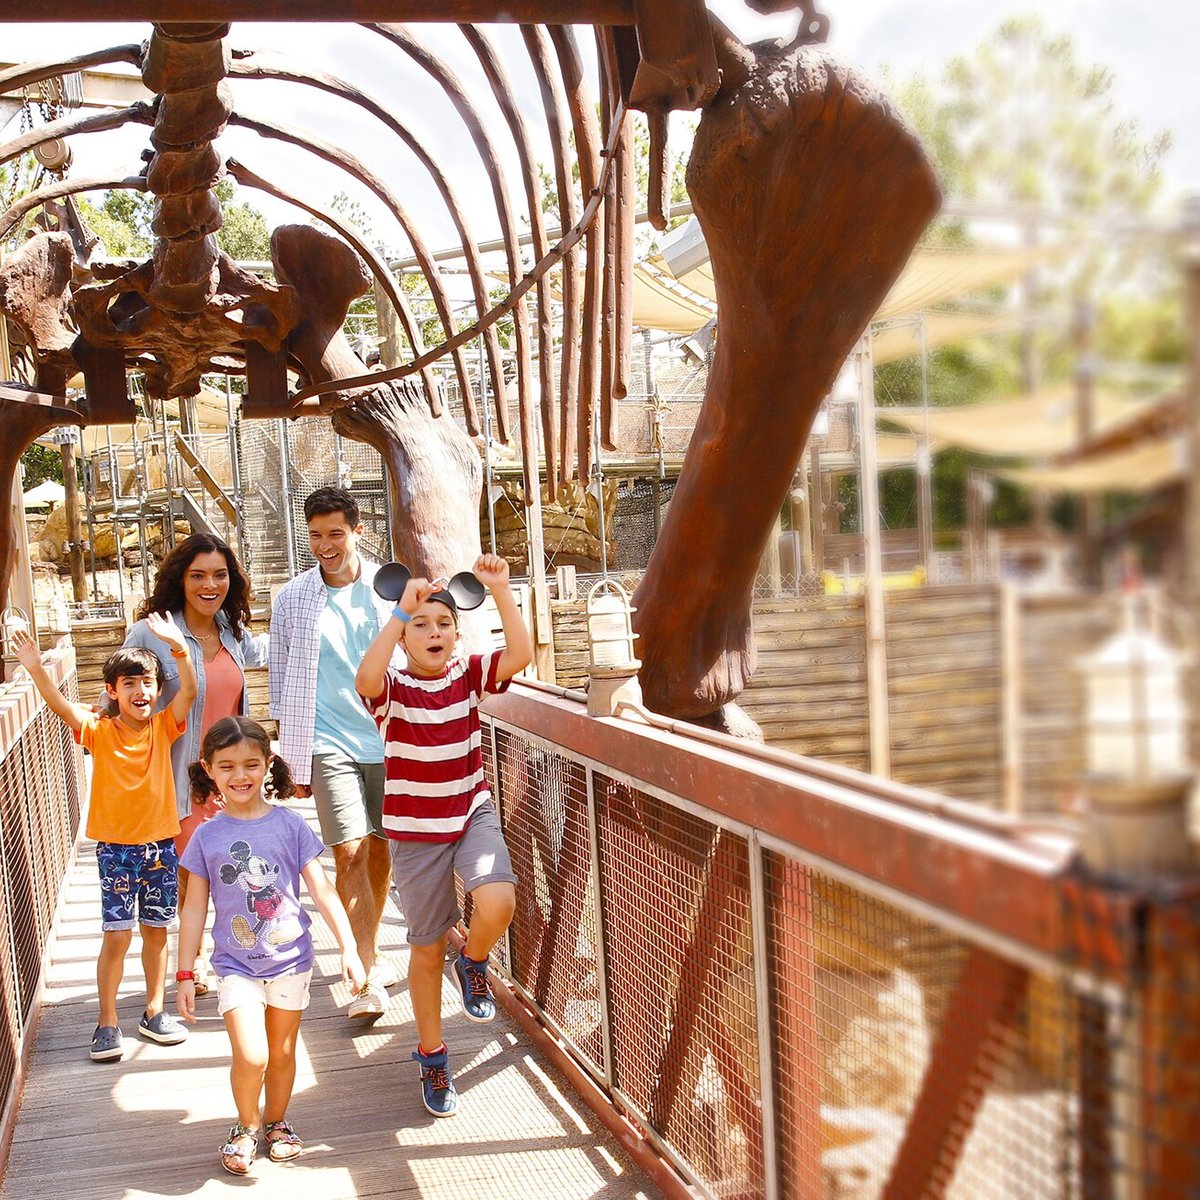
{"x": 294, "y": 655}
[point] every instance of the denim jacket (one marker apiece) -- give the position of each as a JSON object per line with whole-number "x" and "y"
{"x": 251, "y": 651}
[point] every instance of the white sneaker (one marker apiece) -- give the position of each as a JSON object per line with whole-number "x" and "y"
{"x": 384, "y": 974}
{"x": 368, "y": 1003}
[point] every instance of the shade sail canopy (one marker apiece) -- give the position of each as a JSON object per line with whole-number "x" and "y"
{"x": 929, "y": 279}
{"x": 1146, "y": 467}
{"x": 46, "y": 493}
{"x": 211, "y": 416}
{"x": 940, "y": 329}
{"x": 1042, "y": 425}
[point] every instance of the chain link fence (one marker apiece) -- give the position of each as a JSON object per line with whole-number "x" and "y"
{"x": 802, "y": 982}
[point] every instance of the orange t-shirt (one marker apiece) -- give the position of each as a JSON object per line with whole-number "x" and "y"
{"x": 133, "y": 787}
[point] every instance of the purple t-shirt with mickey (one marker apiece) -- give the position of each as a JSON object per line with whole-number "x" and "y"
{"x": 253, "y": 873}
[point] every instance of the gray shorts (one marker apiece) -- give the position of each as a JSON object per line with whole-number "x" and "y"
{"x": 424, "y": 874}
{"x": 348, "y": 796}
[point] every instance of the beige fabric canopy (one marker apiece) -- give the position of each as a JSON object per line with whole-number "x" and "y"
{"x": 930, "y": 278}
{"x": 1146, "y": 467}
{"x": 211, "y": 415}
{"x": 1039, "y": 426}
{"x": 941, "y": 329}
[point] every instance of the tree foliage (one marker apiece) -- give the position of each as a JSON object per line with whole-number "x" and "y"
{"x": 122, "y": 220}
{"x": 1022, "y": 120}
{"x": 1023, "y": 125}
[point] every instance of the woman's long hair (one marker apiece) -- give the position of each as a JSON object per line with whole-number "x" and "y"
{"x": 167, "y": 595}
{"x": 226, "y": 732}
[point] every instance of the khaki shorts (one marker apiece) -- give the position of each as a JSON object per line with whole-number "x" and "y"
{"x": 288, "y": 991}
{"x": 424, "y": 874}
{"x": 348, "y": 796}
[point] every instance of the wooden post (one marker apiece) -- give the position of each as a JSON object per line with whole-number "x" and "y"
{"x": 1011, "y": 685}
{"x": 66, "y": 450}
{"x": 925, "y": 470}
{"x": 1191, "y": 273}
{"x": 816, "y": 507}
{"x": 20, "y": 585}
{"x": 1088, "y": 520}
{"x": 878, "y": 722}
{"x": 770, "y": 565}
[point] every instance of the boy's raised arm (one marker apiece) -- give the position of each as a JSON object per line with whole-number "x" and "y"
{"x": 30, "y": 657}
{"x": 163, "y": 626}
{"x": 492, "y": 571}
{"x": 372, "y": 671}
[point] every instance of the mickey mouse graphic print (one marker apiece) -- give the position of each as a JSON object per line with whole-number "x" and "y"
{"x": 253, "y": 873}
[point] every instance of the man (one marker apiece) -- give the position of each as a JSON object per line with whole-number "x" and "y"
{"x": 321, "y": 625}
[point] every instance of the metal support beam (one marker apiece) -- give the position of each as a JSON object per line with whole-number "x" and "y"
{"x": 556, "y": 12}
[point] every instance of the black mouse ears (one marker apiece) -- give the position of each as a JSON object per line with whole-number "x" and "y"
{"x": 464, "y": 589}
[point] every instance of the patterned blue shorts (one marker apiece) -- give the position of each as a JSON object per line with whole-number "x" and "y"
{"x": 145, "y": 876}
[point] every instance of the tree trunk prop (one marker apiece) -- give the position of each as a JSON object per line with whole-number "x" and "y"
{"x": 434, "y": 475}
{"x": 811, "y": 193}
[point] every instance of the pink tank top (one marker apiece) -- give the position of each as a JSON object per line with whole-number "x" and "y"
{"x": 223, "y": 685}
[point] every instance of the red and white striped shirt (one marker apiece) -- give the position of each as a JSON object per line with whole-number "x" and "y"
{"x": 433, "y": 764}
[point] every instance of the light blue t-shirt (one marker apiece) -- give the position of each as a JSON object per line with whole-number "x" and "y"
{"x": 347, "y": 627}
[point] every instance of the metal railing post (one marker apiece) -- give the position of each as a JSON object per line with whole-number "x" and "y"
{"x": 601, "y": 954}
{"x": 762, "y": 1013}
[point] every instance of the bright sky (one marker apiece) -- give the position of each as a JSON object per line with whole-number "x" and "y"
{"x": 1150, "y": 53}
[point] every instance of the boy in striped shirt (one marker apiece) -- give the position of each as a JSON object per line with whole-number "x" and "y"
{"x": 437, "y": 809}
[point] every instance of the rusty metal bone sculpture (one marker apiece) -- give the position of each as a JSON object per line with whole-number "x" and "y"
{"x": 809, "y": 189}
{"x": 811, "y": 194}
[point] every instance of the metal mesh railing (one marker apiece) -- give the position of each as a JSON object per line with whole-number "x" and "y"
{"x": 802, "y": 982}
{"x": 39, "y": 818}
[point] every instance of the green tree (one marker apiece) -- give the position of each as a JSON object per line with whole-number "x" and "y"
{"x": 1021, "y": 121}
{"x": 123, "y": 217}
{"x": 122, "y": 221}
{"x": 244, "y": 234}
{"x": 1023, "y": 125}
{"x": 647, "y": 238}
{"x": 40, "y": 463}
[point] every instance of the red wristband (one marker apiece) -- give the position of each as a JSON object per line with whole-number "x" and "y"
{"x": 185, "y": 976}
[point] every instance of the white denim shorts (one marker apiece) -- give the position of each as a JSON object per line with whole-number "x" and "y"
{"x": 288, "y": 991}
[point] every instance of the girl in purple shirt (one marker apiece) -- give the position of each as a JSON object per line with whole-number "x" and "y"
{"x": 250, "y": 858}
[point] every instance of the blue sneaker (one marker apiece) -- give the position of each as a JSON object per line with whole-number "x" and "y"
{"x": 478, "y": 1004}
{"x": 437, "y": 1088}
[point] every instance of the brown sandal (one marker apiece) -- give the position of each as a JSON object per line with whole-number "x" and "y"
{"x": 282, "y": 1143}
{"x": 237, "y": 1158}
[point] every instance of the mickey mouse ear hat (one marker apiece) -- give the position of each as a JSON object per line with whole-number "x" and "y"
{"x": 462, "y": 592}
{"x": 391, "y": 579}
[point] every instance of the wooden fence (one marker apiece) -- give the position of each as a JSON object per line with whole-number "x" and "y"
{"x": 95, "y": 640}
{"x": 984, "y": 692}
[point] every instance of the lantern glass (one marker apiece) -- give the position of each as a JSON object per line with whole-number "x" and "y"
{"x": 610, "y": 629}
{"x": 1136, "y": 720}
{"x": 11, "y": 620}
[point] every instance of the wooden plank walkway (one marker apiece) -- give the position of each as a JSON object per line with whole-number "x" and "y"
{"x": 150, "y": 1125}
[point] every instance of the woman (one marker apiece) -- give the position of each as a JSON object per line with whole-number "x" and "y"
{"x": 202, "y": 585}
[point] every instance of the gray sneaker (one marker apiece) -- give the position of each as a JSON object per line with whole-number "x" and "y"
{"x": 162, "y": 1029}
{"x": 108, "y": 1043}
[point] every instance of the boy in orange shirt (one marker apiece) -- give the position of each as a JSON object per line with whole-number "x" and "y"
{"x": 132, "y": 817}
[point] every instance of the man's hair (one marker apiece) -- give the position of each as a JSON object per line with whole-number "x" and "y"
{"x": 332, "y": 500}
{"x": 132, "y": 661}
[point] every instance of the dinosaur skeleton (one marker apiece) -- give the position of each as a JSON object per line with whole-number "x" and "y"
{"x": 810, "y": 191}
